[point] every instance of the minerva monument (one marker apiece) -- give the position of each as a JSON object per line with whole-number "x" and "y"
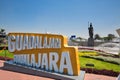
{"x": 90, "y": 39}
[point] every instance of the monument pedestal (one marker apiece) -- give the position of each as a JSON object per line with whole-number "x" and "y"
{"x": 9, "y": 65}
{"x": 90, "y": 42}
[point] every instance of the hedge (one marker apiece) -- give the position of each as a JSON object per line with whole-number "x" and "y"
{"x": 102, "y": 72}
{"x": 106, "y": 59}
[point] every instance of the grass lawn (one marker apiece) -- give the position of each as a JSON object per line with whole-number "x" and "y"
{"x": 98, "y": 64}
{"x": 6, "y": 53}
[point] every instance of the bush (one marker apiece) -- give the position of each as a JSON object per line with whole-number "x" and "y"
{"x": 87, "y": 53}
{"x": 108, "y": 55}
{"x": 106, "y": 59}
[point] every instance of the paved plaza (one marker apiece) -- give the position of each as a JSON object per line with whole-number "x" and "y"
{"x": 10, "y": 75}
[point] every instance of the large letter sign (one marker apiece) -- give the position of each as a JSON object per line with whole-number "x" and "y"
{"x": 44, "y": 51}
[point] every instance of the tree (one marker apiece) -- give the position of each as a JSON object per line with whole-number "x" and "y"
{"x": 111, "y": 36}
{"x": 2, "y": 35}
{"x": 79, "y": 38}
{"x": 106, "y": 39}
{"x": 2, "y": 31}
{"x": 97, "y": 37}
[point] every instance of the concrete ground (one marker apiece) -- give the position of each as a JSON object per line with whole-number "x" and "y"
{"x": 10, "y": 75}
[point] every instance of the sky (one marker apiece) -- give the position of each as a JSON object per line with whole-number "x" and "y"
{"x": 66, "y": 17}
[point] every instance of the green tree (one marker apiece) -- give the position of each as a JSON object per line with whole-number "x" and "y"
{"x": 80, "y": 38}
{"x": 2, "y": 30}
{"x": 111, "y": 36}
{"x": 97, "y": 36}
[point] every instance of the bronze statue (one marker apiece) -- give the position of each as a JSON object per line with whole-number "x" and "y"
{"x": 90, "y": 39}
{"x": 90, "y": 31}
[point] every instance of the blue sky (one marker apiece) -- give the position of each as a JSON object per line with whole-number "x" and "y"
{"x": 66, "y": 17}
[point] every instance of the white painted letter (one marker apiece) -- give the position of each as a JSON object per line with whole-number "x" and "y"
{"x": 53, "y": 58}
{"x": 19, "y": 40}
{"x": 39, "y": 61}
{"x": 57, "y": 43}
{"x": 33, "y": 60}
{"x": 44, "y": 61}
{"x": 51, "y": 43}
{"x": 11, "y": 43}
{"x": 38, "y": 42}
{"x": 45, "y": 43}
{"x": 25, "y": 42}
{"x": 65, "y": 62}
{"x": 31, "y": 42}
